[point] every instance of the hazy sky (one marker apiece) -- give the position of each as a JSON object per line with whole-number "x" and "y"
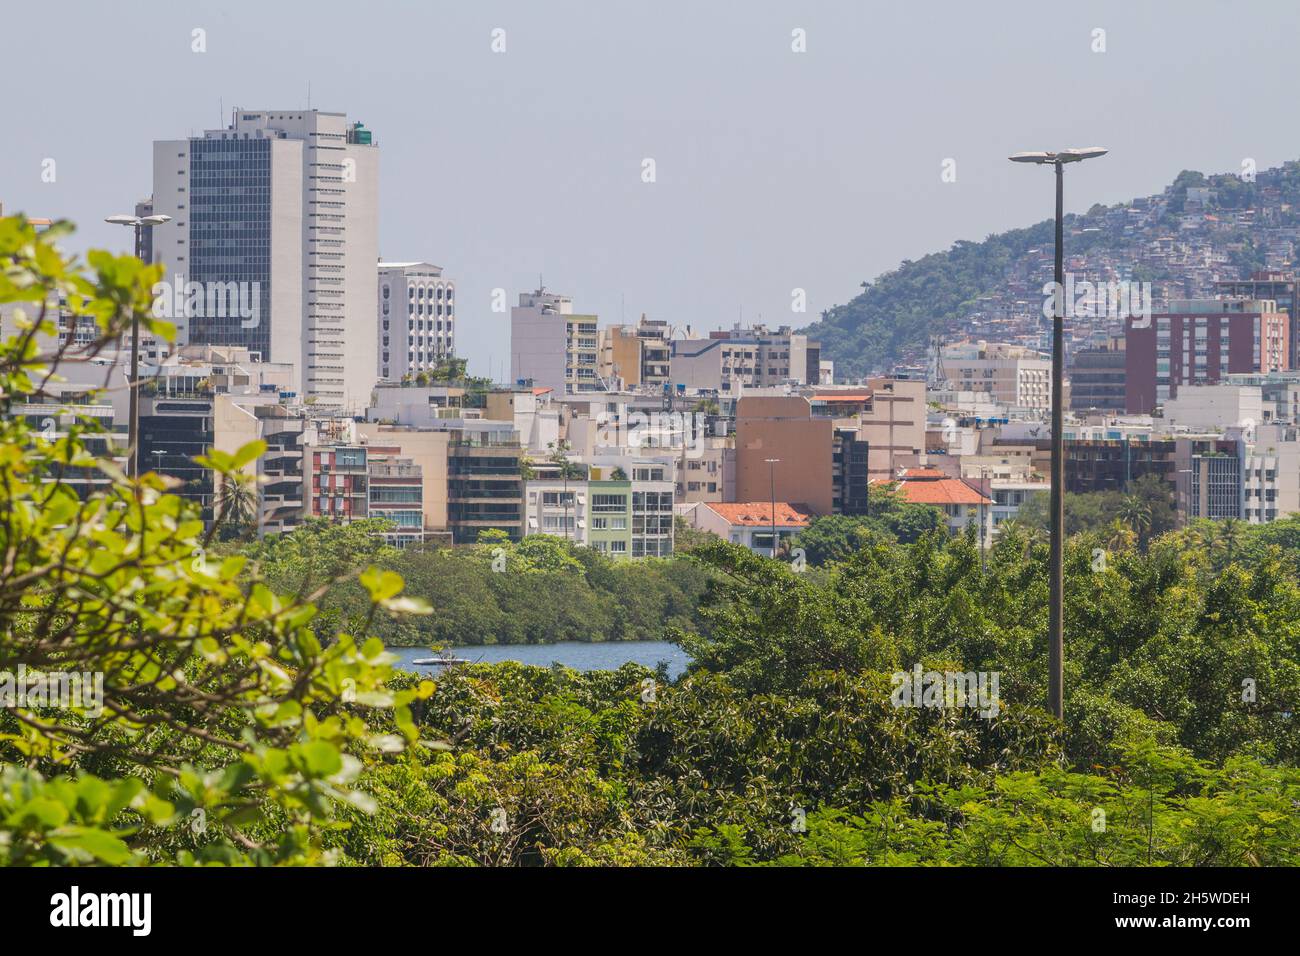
{"x": 775, "y": 170}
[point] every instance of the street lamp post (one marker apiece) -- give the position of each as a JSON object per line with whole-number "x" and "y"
{"x": 139, "y": 224}
{"x": 771, "y": 487}
{"x": 1056, "y": 562}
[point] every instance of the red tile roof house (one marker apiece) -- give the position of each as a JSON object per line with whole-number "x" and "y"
{"x": 750, "y": 523}
{"x": 961, "y": 502}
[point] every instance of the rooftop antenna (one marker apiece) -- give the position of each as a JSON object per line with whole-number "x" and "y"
{"x": 309, "y": 96}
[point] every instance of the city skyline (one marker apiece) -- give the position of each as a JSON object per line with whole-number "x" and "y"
{"x": 522, "y": 163}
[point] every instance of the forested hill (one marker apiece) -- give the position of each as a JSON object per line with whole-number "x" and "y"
{"x": 1228, "y": 227}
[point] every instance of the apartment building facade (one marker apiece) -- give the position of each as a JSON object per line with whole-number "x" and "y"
{"x": 280, "y": 208}
{"x": 1199, "y": 342}
{"x": 552, "y": 346}
{"x": 1015, "y": 377}
{"x": 753, "y": 357}
{"x": 417, "y": 316}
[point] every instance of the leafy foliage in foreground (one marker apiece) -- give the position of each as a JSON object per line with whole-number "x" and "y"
{"x": 209, "y": 721}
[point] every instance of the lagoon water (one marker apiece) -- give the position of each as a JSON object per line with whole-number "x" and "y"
{"x": 579, "y": 655}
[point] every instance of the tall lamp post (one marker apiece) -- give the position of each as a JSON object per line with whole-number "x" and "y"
{"x": 771, "y": 487}
{"x": 139, "y": 224}
{"x": 1056, "y": 563}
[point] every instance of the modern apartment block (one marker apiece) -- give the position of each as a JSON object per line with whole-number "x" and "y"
{"x": 1015, "y": 377}
{"x": 1279, "y": 287}
{"x": 1272, "y": 474}
{"x": 622, "y": 508}
{"x": 1109, "y": 464}
{"x": 1210, "y": 478}
{"x": 278, "y": 212}
{"x": 1200, "y": 341}
{"x": 396, "y": 493}
{"x": 552, "y": 346}
{"x": 638, "y": 354}
{"x": 175, "y": 429}
{"x": 351, "y": 482}
{"x": 484, "y": 480}
{"x": 752, "y": 357}
{"x": 1097, "y": 378}
{"x": 417, "y": 312}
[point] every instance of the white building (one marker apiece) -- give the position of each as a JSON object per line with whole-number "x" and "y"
{"x": 1014, "y": 377}
{"x": 417, "y": 312}
{"x": 553, "y": 347}
{"x": 279, "y": 209}
{"x": 1209, "y": 407}
{"x": 622, "y": 507}
{"x": 1271, "y": 477}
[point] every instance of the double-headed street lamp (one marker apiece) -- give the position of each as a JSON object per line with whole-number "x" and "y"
{"x": 1056, "y": 563}
{"x": 139, "y": 224}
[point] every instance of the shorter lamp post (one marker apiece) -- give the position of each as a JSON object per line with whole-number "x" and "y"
{"x": 139, "y": 224}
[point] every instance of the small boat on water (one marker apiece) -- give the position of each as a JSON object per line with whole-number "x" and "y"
{"x": 442, "y": 660}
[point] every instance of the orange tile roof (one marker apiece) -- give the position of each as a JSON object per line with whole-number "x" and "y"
{"x": 759, "y": 513}
{"x": 925, "y": 486}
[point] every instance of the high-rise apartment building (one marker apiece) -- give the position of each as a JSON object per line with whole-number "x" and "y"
{"x": 417, "y": 311}
{"x": 1199, "y": 342}
{"x": 1097, "y": 378}
{"x": 753, "y": 357}
{"x": 1279, "y": 287}
{"x": 638, "y": 354}
{"x": 273, "y": 242}
{"x": 552, "y": 346}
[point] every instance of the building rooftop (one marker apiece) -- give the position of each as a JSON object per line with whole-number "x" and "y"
{"x": 759, "y": 513}
{"x": 926, "y": 486}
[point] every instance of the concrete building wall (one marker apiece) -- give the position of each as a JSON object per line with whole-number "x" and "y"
{"x": 1215, "y": 406}
{"x": 783, "y": 427}
{"x": 894, "y": 425}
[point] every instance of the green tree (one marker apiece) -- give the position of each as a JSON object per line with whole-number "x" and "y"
{"x": 206, "y": 695}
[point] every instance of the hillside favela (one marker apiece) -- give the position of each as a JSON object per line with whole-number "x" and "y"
{"x": 449, "y": 463}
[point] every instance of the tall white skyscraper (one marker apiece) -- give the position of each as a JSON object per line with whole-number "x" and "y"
{"x": 417, "y": 314}
{"x": 280, "y": 211}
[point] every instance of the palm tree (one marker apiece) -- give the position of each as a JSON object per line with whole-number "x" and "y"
{"x": 1230, "y": 535}
{"x": 1137, "y": 514}
{"x": 236, "y": 504}
{"x": 1119, "y": 536}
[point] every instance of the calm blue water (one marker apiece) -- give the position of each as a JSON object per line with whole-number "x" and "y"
{"x": 576, "y": 654}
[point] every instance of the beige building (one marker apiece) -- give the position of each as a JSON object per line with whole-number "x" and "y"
{"x": 426, "y": 448}
{"x": 1014, "y": 376}
{"x": 753, "y": 357}
{"x": 636, "y": 354}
